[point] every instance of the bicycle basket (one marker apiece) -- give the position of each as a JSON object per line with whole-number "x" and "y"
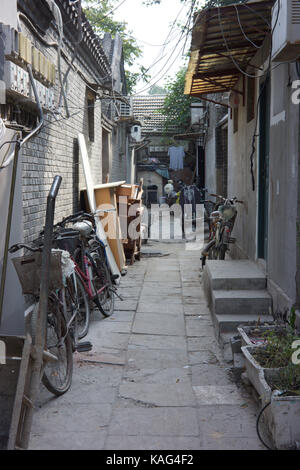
{"x": 68, "y": 240}
{"x": 29, "y": 272}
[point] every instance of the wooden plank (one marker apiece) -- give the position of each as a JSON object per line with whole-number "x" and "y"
{"x": 92, "y": 202}
{"x": 109, "y": 185}
{"x": 105, "y": 198}
{"x": 15, "y": 427}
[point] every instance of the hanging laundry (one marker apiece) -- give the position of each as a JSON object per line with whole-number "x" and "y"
{"x": 176, "y": 155}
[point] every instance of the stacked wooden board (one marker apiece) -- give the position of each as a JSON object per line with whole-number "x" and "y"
{"x": 130, "y": 212}
{"x": 116, "y": 205}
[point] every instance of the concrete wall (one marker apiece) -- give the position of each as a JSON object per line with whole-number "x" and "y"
{"x": 240, "y": 183}
{"x": 284, "y": 187}
{"x": 55, "y": 150}
{"x": 213, "y": 148}
{"x": 281, "y": 265}
{"x": 283, "y": 259}
{"x": 120, "y": 158}
{"x": 210, "y": 162}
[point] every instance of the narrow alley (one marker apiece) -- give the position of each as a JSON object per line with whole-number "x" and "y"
{"x": 156, "y": 377}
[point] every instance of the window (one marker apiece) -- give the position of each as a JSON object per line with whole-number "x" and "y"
{"x": 250, "y": 99}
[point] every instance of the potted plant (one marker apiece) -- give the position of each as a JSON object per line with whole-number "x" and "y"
{"x": 275, "y": 353}
{"x": 282, "y": 409}
{"x": 255, "y": 335}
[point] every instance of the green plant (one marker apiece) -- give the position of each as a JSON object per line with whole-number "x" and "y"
{"x": 176, "y": 108}
{"x": 100, "y": 14}
{"x": 287, "y": 380}
{"x": 292, "y": 318}
{"x": 277, "y": 352}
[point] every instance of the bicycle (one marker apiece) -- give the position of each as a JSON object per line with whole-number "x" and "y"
{"x": 90, "y": 261}
{"x": 222, "y": 222}
{"x": 57, "y": 368}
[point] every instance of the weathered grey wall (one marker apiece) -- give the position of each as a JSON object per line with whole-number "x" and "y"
{"x": 240, "y": 185}
{"x": 55, "y": 150}
{"x": 120, "y": 155}
{"x": 210, "y": 165}
{"x": 214, "y": 154}
{"x": 12, "y": 321}
{"x": 284, "y": 180}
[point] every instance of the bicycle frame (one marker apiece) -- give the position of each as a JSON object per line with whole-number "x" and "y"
{"x": 86, "y": 278}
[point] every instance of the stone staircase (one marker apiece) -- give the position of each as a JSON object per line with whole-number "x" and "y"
{"x": 236, "y": 292}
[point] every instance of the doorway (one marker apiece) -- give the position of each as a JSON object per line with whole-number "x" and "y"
{"x": 263, "y": 170}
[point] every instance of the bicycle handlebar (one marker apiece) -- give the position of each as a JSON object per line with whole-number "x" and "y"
{"x": 233, "y": 199}
{"x": 19, "y": 246}
{"x": 73, "y": 218}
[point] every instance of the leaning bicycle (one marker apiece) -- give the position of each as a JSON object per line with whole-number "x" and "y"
{"x": 90, "y": 260}
{"x": 222, "y": 222}
{"x": 57, "y": 367}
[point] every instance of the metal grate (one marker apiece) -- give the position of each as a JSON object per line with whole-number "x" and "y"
{"x": 126, "y": 110}
{"x": 295, "y": 11}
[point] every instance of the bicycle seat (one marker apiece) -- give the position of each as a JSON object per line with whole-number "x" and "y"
{"x": 84, "y": 227}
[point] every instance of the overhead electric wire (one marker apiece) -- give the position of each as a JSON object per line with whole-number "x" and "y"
{"x": 243, "y": 31}
{"x": 230, "y": 53}
{"x": 160, "y": 54}
{"x": 182, "y": 36}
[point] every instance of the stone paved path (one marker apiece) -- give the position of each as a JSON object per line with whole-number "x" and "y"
{"x": 156, "y": 378}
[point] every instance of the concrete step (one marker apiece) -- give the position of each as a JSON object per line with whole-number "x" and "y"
{"x": 234, "y": 275}
{"x": 229, "y": 323}
{"x": 239, "y": 302}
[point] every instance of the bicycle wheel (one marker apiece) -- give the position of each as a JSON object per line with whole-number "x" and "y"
{"x": 57, "y": 374}
{"x": 104, "y": 282}
{"x": 77, "y": 304}
{"x": 103, "y": 285}
{"x": 222, "y": 251}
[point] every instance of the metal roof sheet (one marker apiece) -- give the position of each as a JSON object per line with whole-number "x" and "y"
{"x": 225, "y": 39}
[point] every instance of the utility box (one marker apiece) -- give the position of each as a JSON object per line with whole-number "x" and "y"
{"x": 286, "y": 35}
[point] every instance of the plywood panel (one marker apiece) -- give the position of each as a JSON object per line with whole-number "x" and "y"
{"x": 92, "y": 203}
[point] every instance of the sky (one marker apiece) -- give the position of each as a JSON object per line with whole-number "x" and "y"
{"x": 153, "y": 25}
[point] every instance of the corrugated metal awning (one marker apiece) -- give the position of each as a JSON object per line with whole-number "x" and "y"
{"x": 225, "y": 39}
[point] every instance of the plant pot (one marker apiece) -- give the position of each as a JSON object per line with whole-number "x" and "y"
{"x": 282, "y": 416}
{"x": 247, "y": 339}
{"x": 255, "y": 373}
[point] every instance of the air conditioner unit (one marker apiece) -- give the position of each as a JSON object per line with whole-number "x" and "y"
{"x": 286, "y": 35}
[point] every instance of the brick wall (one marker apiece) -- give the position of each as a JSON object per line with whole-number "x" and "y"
{"x": 55, "y": 150}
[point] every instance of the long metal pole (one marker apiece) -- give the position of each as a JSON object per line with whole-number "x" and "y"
{"x": 43, "y": 308}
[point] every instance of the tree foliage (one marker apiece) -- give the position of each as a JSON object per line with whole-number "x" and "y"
{"x": 176, "y": 107}
{"x": 100, "y": 15}
{"x": 157, "y": 90}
